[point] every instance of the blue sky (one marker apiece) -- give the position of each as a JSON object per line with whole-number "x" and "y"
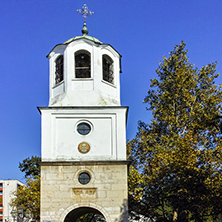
{"x": 142, "y": 31}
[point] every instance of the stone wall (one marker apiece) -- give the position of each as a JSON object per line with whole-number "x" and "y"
{"x": 61, "y": 191}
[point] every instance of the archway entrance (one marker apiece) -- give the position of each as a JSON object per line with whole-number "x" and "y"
{"x": 85, "y": 214}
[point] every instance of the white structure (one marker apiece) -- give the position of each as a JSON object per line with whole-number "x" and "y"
{"x": 84, "y": 167}
{"x": 93, "y": 89}
{"x": 60, "y": 138}
{"x": 7, "y": 188}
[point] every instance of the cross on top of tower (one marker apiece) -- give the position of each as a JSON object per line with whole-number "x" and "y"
{"x": 85, "y": 12}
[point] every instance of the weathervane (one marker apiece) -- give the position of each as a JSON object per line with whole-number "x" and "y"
{"x": 85, "y": 12}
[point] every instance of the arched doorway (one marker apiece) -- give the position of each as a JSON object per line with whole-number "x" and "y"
{"x": 85, "y": 214}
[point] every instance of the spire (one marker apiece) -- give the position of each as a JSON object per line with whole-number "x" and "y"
{"x": 85, "y": 29}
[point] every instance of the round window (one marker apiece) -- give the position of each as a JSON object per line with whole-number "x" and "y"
{"x": 84, "y": 178}
{"x": 83, "y": 128}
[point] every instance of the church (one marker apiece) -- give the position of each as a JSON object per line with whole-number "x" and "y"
{"x": 83, "y": 148}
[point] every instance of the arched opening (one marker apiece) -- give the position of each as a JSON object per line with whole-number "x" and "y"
{"x": 85, "y": 214}
{"x": 59, "y": 69}
{"x": 108, "y": 69}
{"x": 82, "y": 64}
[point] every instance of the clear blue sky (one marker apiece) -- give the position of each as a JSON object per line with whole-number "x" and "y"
{"x": 141, "y": 30}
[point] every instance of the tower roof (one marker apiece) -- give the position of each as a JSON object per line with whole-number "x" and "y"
{"x": 84, "y": 36}
{"x": 91, "y": 38}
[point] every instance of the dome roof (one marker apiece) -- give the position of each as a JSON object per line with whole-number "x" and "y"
{"x": 83, "y": 37}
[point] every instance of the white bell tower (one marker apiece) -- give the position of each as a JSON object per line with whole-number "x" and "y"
{"x": 84, "y": 72}
{"x": 84, "y": 167}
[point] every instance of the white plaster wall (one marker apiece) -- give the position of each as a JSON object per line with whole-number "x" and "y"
{"x": 86, "y": 91}
{"x": 107, "y": 138}
{"x": 100, "y": 139}
{"x": 60, "y": 88}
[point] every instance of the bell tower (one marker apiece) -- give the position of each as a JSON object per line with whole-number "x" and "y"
{"x": 84, "y": 167}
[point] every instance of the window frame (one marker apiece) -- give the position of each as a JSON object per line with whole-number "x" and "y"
{"x": 84, "y": 179}
{"x": 78, "y": 69}
{"x": 108, "y": 74}
{"x": 80, "y": 128}
{"x": 59, "y": 70}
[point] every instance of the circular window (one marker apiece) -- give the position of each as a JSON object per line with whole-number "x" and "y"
{"x": 84, "y": 178}
{"x": 83, "y": 128}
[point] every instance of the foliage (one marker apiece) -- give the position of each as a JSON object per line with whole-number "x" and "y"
{"x": 28, "y": 197}
{"x": 176, "y": 159}
{"x": 91, "y": 217}
{"x": 30, "y": 166}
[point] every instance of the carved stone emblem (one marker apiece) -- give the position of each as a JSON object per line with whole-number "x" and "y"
{"x": 84, "y": 192}
{"x": 77, "y": 191}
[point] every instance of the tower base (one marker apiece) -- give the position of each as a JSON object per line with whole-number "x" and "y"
{"x": 64, "y": 198}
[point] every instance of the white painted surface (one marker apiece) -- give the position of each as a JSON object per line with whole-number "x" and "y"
{"x": 60, "y": 138}
{"x": 89, "y": 91}
{"x": 100, "y": 102}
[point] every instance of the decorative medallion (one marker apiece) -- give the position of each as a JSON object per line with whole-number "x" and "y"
{"x": 84, "y": 147}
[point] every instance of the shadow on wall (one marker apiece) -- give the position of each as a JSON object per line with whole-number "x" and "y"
{"x": 124, "y": 212}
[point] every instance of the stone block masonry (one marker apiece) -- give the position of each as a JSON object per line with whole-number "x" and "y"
{"x": 61, "y": 191}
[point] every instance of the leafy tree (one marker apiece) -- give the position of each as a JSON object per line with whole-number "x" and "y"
{"x": 30, "y": 166}
{"x": 176, "y": 159}
{"x": 28, "y": 197}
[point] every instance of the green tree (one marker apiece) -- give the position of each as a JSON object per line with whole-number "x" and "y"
{"x": 28, "y": 197}
{"x": 176, "y": 159}
{"x": 30, "y": 166}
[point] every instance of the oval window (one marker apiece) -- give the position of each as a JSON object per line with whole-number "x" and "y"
{"x": 83, "y": 128}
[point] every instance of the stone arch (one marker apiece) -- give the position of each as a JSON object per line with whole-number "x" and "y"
{"x": 74, "y": 209}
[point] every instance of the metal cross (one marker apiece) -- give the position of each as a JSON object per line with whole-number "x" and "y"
{"x": 84, "y": 11}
